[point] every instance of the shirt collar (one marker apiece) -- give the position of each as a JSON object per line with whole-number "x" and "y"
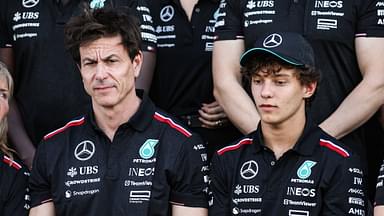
{"x": 140, "y": 120}
{"x": 305, "y": 145}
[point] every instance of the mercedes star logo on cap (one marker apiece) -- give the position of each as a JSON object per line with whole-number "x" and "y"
{"x": 272, "y": 41}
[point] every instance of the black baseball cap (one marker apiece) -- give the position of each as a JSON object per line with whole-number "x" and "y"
{"x": 290, "y": 47}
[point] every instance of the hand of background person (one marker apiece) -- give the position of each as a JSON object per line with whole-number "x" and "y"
{"x": 212, "y": 115}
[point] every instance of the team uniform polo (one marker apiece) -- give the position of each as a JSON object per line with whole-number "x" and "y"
{"x": 183, "y": 73}
{"x": 14, "y": 198}
{"x": 331, "y": 28}
{"x": 317, "y": 177}
{"x": 182, "y": 79}
{"x": 48, "y": 87}
{"x": 151, "y": 163}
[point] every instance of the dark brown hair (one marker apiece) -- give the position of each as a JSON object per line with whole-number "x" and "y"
{"x": 270, "y": 64}
{"x": 104, "y": 22}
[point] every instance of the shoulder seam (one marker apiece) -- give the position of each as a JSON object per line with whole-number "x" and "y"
{"x": 11, "y": 163}
{"x": 242, "y": 142}
{"x": 333, "y": 147}
{"x": 161, "y": 118}
{"x": 76, "y": 122}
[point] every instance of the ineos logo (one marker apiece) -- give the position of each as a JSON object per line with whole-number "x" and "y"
{"x": 30, "y": 3}
{"x": 272, "y": 41}
{"x": 249, "y": 170}
{"x": 84, "y": 150}
{"x": 167, "y": 13}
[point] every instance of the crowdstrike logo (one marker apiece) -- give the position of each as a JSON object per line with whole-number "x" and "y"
{"x": 272, "y": 41}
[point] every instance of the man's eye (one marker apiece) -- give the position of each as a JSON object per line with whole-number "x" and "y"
{"x": 280, "y": 82}
{"x": 256, "y": 81}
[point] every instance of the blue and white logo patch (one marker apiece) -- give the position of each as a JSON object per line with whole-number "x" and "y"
{"x": 147, "y": 150}
{"x": 304, "y": 170}
{"x": 95, "y": 4}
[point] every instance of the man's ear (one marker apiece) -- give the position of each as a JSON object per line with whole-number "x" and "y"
{"x": 137, "y": 62}
{"x": 310, "y": 89}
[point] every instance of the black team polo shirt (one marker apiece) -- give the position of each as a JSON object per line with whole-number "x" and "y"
{"x": 319, "y": 176}
{"x": 153, "y": 162}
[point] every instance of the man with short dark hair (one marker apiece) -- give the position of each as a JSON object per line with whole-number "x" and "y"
{"x": 48, "y": 88}
{"x": 125, "y": 157}
{"x": 288, "y": 166}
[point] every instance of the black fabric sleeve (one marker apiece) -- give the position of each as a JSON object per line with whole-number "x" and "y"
{"x": 190, "y": 183}
{"x": 379, "y": 197}
{"x": 146, "y": 25}
{"x": 371, "y": 18}
{"x": 345, "y": 193}
{"x": 228, "y": 24}
{"x": 220, "y": 198}
{"x": 5, "y": 39}
{"x": 17, "y": 202}
{"x": 39, "y": 183}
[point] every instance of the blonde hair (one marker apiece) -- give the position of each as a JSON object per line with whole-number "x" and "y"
{"x": 5, "y": 76}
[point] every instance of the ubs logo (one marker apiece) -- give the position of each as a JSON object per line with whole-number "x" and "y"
{"x": 30, "y": 3}
{"x": 249, "y": 170}
{"x": 84, "y": 150}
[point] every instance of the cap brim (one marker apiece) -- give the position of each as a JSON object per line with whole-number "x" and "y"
{"x": 244, "y": 58}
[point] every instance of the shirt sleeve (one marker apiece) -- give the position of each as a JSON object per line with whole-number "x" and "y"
{"x": 219, "y": 191}
{"x": 5, "y": 39}
{"x": 228, "y": 23}
{"x": 190, "y": 183}
{"x": 39, "y": 183}
{"x": 345, "y": 194}
{"x": 146, "y": 25}
{"x": 18, "y": 198}
{"x": 379, "y": 197}
{"x": 371, "y": 18}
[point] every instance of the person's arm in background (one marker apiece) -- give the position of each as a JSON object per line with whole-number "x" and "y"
{"x": 228, "y": 89}
{"x": 367, "y": 97}
{"x": 46, "y": 209}
{"x": 146, "y": 73}
{"x": 17, "y": 133}
{"x": 188, "y": 211}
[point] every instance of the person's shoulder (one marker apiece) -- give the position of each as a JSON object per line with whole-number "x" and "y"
{"x": 62, "y": 131}
{"x": 171, "y": 125}
{"x": 333, "y": 147}
{"x": 12, "y": 165}
{"x": 236, "y": 147}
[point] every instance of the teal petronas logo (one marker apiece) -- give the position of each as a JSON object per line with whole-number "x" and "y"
{"x": 95, "y": 4}
{"x": 304, "y": 170}
{"x": 147, "y": 150}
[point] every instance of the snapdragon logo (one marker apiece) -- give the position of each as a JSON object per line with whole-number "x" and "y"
{"x": 304, "y": 170}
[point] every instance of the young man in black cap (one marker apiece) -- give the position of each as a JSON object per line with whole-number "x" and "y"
{"x": 288, "y": 166}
